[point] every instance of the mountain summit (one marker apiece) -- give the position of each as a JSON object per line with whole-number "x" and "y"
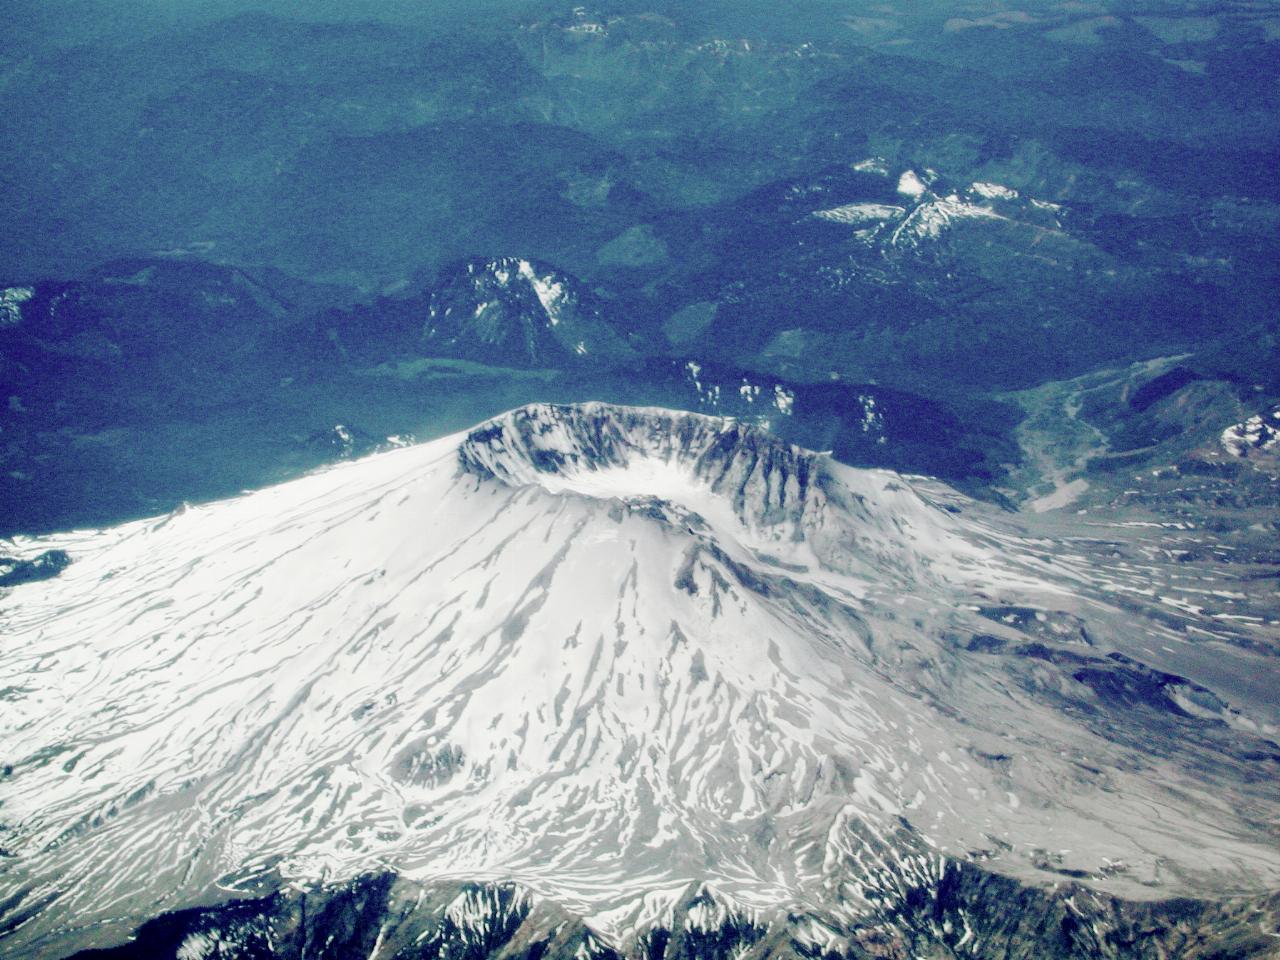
{"x": 654, "y": 677}
{"x": 518, "y": 312}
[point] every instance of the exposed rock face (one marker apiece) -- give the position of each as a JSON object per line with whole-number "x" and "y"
{"x": 767, "y": 482}
{"x": 604, "y": 681}
{"x": 968, "y": 913}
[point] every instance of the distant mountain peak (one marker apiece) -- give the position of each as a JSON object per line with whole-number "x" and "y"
{"x": 516, "y": 311}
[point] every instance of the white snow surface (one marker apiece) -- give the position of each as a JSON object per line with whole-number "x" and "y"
{"x": 550, "y": 292}
{"x": 910, "y": 184}
{"x": 861, "y": 213}
{"x": 929, "y": 220}
{"x": 877, "y": 165}
{"x": 603, "y": 652}
{"x": 994, "y": 191}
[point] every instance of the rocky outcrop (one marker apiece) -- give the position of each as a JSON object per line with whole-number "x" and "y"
{"x": 968, "y": 913}
{"x": 15, "y": 570}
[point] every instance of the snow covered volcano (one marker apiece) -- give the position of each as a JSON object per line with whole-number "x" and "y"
{"x": 652, "y": 668}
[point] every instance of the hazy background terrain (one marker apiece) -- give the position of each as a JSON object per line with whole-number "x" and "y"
{"x": 234, "y": 219}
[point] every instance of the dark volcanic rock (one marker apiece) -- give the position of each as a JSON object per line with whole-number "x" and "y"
{"x": 372, "y": 915}
{"x": 47, "y": 565}
{"x": 969, "y": 912}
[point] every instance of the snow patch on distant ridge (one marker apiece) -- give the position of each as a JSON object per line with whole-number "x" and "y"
{"x": 11, "y": 301}
{"x": 860, "y": 213}
{"x": 910, "y": 184}
{"x": 994, "y": 191}
{"x": 929, "y": 220}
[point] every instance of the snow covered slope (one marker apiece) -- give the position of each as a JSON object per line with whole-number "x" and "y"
{"x": 606, "y": 654}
